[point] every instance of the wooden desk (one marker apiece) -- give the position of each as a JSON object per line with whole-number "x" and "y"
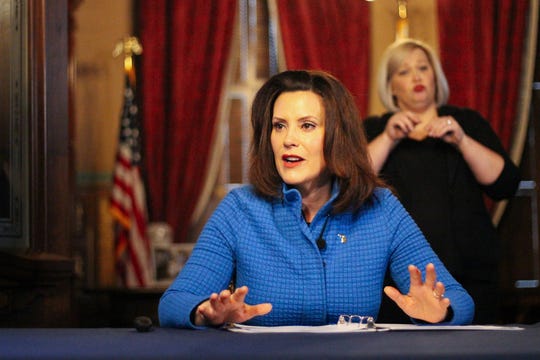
{"x": 107, "y": 343}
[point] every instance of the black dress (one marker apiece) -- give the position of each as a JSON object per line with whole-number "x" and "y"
{"x": 436, "y": 186}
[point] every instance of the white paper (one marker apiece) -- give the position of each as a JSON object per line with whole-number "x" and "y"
{"x": 447, "y": 327}
{"x": 355, "y": 328}
{"x": 300, "y": 329}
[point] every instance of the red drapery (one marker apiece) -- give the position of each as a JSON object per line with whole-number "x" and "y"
{"x": 332, "y": 36}
{"x": 481, "y": 45}
{"x": 185, "y": 48}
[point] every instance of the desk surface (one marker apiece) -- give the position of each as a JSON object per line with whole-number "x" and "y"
{"x": 163, "y": 343}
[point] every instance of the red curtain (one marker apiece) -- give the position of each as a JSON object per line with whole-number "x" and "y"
{"x": 185, "y": 48}
{"x": 481, "y": 44}
{"x": 329, "y": 35}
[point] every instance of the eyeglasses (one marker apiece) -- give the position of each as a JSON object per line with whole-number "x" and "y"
{"x": 357, "y": 321}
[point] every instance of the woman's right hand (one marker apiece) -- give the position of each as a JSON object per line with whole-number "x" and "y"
{"x": 227, "y": 307}
{"x": 400, "y": 125}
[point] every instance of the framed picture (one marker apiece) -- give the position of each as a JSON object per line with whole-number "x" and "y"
{"x": 170, "y": 260}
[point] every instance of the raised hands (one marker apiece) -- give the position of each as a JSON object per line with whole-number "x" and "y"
{"x": 403, "y": 124}
{"x": 447, "y": 129}
{"x": 228, "y": 307}
{"x": 425, "y": 300}
{"x": 399, "y": 126}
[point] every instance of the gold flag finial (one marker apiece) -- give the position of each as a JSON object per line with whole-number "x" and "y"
{"x": 402, "y": 25}
{"x": 129, "y": 46}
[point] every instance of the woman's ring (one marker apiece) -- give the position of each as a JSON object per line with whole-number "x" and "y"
{"x": 436, "y": 295}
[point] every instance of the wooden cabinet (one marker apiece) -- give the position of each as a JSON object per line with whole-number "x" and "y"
{"x": 36, "y": 269}
{"x": 520, "y": 230}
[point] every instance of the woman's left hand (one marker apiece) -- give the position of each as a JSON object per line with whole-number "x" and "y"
{"x": 447, "y": 129}
{"x": 425, "y": 300}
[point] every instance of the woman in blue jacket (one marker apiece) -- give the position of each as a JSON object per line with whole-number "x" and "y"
{"x": 312, "y": 236}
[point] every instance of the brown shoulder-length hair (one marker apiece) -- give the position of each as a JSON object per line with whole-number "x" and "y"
{"x": 345, "y": 144}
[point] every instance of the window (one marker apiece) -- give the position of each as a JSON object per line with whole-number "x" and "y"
{"x": 253, "y": 60}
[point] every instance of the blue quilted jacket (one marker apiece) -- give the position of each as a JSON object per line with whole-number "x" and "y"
{"x": 268, "y": 246}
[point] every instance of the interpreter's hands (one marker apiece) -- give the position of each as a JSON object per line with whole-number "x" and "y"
{"x": 447, "y": 129}
{"x": 226, "y": 307}
{"x": 401, "y": 124}
{"x": 425, "y": 300}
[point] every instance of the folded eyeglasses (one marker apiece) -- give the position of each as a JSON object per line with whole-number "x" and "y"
{"x": 358, "y": 321}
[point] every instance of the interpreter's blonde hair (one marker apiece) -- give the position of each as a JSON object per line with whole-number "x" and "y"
{"x": 392, "y": 59}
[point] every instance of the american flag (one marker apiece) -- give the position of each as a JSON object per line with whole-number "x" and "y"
{"x": 134, "y": 260}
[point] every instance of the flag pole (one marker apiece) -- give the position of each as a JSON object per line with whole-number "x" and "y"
{"x": 133, "y": 250}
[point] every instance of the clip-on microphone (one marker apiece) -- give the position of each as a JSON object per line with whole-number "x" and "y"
{"x": 321, "y": 243}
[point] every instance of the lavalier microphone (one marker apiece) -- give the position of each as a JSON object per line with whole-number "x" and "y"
{"x": 321, "y": 243}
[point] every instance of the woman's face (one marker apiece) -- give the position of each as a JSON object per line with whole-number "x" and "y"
{"x": 413, "y": 83}
{"x": 298, "y": 140}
